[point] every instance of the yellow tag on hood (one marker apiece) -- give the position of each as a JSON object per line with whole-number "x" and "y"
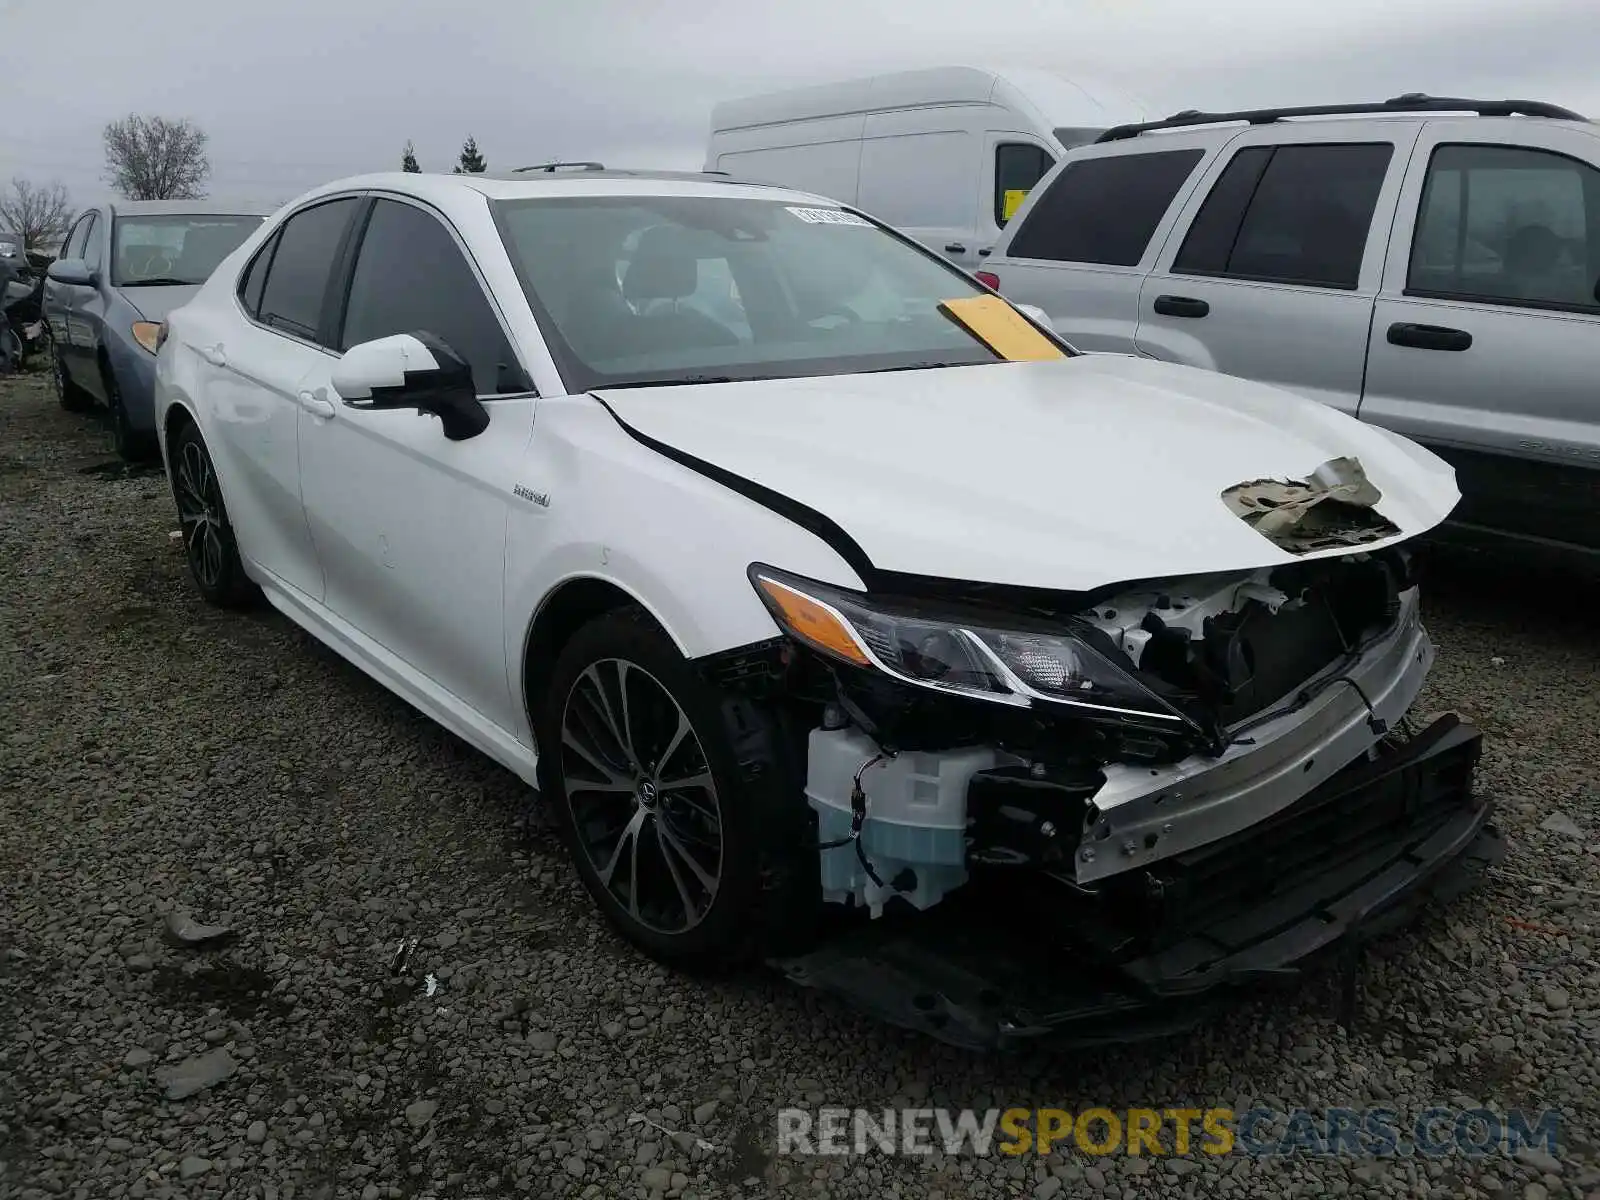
{"x": 1001, "y": 328}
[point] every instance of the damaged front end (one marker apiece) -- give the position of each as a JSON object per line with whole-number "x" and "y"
{"x": 1069, "y": 816}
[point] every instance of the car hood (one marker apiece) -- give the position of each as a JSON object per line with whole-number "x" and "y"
{"x": 1068, "y": 474}
{"x": 154, "y": 303}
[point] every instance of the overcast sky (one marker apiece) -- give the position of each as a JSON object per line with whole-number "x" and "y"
{"x": 296, "y": 92}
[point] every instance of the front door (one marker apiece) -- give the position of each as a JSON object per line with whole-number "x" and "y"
{"x": 1486, "y": 335}
{"x": 410, "y": 526}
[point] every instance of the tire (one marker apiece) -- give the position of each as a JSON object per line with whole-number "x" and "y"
{"x": 721, "y": 876}
{"x": 131, "y": 445}
{"x": 69, "y": 395}
{"x": 209, "y": 545}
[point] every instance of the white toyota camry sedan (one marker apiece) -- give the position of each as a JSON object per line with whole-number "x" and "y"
{"x": 843, "y": 615}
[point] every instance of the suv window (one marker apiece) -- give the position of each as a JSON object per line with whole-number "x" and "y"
{"x": 1507, "y": 225}
{"x": 1289, "y": 214}
{"x": 297, "y": 279}
{"x": 410, "y": 274}
{"x": 1104, "y": 210}
{"x": 1017, "y": 167}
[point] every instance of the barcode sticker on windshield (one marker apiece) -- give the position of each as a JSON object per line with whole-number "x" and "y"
{"x": 828, "y": 216}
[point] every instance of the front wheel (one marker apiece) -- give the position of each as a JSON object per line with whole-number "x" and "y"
{"x": 131, "y": 445}
{"x": 690, "y": 852}
{"x": 208, "y": 541}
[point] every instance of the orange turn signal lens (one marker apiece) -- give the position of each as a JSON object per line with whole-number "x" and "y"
{"x": 812, "y": 621}
{"x": 148, "y": 334}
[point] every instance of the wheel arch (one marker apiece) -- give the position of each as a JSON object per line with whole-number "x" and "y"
{"x": 565, "y": 609}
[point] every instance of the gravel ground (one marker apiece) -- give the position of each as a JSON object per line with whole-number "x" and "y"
{"x": 158, "y": 756}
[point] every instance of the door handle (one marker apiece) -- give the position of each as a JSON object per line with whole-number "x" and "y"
{"x": 985, "y": 252}
{"x": 1428, "y": 337}
{"x": 1181, "y": 306}
{"x": 955, "y": 248}
{"x": 316, "y": 405}
{"x": 214, "y": 355}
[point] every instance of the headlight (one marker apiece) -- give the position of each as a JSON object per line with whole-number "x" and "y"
{"x": 1016, "y": 666}
{"x": 148, "y": 334}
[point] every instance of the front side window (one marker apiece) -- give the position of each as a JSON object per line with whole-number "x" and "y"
{"x": 1017, "y": 167}
{"x": 673, "y": 288}
{"x": 73, "y": 246}
{"x": 1508, "y": 225}
{"x": 91, "y": 243}
{"x": 164, "y": 250}
{"x": 297, "y": 278}
{"x": 410, "y": 275}
{"x": 1289, "y": 214}
{"x": 1104, "y": 210}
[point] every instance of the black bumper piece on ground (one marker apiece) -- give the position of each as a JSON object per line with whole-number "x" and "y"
{"x": 1023, "y": 959}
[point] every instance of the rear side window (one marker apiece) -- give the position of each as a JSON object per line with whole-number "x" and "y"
{"x": 297, "y": 278}
{"x": 1508, "y": 225}
{"x": 1017, "y": 167}
{"x": 1289, "y": 214}
{"x": 1104, "y": 210}
{"x": 255, "y": 276}
{"x": 410, "y": 275}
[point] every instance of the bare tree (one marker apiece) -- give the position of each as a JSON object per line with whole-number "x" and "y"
{"x": 156, "y": 158}
{"x": 40, "y": 214}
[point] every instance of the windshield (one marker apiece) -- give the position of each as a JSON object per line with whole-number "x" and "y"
{"x": 672, "y": 289}
{"x": 153, "y": 251}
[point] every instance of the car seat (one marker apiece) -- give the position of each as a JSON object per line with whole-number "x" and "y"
{"x": 665, "y": 267}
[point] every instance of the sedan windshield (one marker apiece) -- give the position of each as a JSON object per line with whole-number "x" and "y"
{"x": 158, "y": 251}
{"x": 678, "y": 289}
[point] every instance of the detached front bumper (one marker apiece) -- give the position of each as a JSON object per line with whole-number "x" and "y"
{"x": 1023, "y": 957}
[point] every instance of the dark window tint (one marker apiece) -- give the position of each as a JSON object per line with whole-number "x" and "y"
{"x": 297, "y": 280}
{"x": 1508, "y": 225}
{"x": 1292, "y": 214}
{"x": 255, "y": 276}
{"x": 1104, "y": 210}
{"x": 411, "y": 275}
{"x": 1017, "y": 167}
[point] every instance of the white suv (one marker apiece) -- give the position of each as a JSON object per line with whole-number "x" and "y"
{"x": 801, "y": 574}
{"x": 1428, "y": 264}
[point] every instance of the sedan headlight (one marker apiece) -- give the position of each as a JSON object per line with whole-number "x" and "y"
{"x": 977, "y": 659}
{"x": 148, "y": 334}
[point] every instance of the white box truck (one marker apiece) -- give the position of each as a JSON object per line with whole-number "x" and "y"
{"x": 945, "y": 154}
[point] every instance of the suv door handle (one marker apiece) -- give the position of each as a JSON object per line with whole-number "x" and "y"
{"x": 1181, "y": 306}
{"x": 315, "y": 405}
{"x": 214, "y": 355}
{"x": 1428, "y": 337}
{"x": 955, "y": 248}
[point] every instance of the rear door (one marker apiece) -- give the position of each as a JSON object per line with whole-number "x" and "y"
{"x": 1273, "y": 268}
{"x": 255, "y": 372}
{"x": 1086, "y": 237}
{"x": 1486, "y": 336}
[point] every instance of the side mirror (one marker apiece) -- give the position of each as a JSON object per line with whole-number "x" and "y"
{"x": 73, "y": 271}
{"x": 412, "y": 370}
{"x": 1035, "y": 314}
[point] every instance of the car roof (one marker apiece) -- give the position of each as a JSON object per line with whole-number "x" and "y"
{"x": 189, "y": 208}
{"x": 440, "y": 187}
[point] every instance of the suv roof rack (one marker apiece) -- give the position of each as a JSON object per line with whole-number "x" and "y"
{"x": 1411, "y": 102}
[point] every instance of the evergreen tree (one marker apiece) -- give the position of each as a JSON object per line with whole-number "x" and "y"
{"x": 408, "y": 160}
{"x": 472, "y": 163}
